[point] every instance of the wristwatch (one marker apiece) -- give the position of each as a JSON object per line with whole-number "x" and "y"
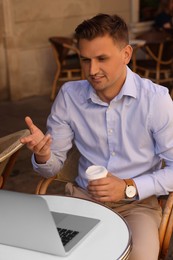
{"x": 130, "y": 190}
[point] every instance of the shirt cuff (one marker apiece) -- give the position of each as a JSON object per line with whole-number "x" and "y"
{"x": 145, "y": 186}
{"x": 45, "y": 169}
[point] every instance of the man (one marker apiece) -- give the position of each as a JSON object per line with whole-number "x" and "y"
{"x": 117, "y": 120}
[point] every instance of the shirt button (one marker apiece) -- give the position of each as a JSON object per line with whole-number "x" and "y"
{"x": 110, "y": 131}
{"x": 113, "y": 153}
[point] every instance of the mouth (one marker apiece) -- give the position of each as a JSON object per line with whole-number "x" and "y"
{"x": 96, "y": 78}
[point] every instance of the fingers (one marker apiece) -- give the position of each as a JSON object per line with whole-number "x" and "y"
{"x": 36, "y": 134}
{"x": 100, "y": 195}
{"x": 30, "y": 124}
{"x": 98, "y": 188}
{"x": 106, "y": 189}
{"x": 40, "y": 147}
{"x": 37, "y": 142}
{"x": 99, "y": 182}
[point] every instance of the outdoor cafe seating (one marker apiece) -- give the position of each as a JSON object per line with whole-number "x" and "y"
{"x": 157, "y": 57}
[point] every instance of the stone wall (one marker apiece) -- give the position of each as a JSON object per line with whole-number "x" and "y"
{"x": 27, "y": 64}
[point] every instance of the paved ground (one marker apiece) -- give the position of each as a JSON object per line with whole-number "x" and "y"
{"x": 12, "y": 115}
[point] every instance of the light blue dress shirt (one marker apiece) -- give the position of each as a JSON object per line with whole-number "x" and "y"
{"x": 130, "y": 136}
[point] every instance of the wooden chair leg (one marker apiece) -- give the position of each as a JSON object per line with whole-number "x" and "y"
{"x": 1, "y": 181}
{"x": 167, "y": 238}
{"x": 166, "y": 226}
{"x": 9, "y": 167}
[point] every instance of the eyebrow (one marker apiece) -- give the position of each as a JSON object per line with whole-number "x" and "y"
{"x": 99, "y": 56}
{"x": 83, "y": 57}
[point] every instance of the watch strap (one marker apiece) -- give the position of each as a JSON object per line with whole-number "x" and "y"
{"x": 129, "y": 182}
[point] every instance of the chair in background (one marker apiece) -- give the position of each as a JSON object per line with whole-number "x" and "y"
{"x": 9, "y": 149}
{"x": 68, "y": 174}
{"x": 67, "y": 60}
{"x": 158, "y": 62}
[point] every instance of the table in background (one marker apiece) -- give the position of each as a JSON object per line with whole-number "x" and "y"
{"x": 110, "y": 240}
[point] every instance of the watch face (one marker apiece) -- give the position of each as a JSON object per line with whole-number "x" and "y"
{"x": 130, "y": 191}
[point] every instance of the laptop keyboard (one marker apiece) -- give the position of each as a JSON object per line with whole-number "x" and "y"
{"x": 66, "y": 235}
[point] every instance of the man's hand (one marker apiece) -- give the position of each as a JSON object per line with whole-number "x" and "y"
{"x": 107, "y": 189}
{"x": 37, "y": 142}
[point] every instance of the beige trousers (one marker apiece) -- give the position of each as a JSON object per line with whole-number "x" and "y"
{"x": 143, "y": 218}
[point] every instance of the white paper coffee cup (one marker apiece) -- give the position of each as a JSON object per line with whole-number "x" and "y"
{"x": 96, "y": 172}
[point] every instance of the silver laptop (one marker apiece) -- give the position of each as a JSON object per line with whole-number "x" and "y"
{"x": 26, "y": 222}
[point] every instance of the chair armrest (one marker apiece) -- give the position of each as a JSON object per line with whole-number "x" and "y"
{"x": 168, "y": 234}
{"x": 9, "y": 144}
{"x": 166, "y": 226}
{"x": 43, "y": 185}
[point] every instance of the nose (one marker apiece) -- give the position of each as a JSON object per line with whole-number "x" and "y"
{"x": 94, "y": 68}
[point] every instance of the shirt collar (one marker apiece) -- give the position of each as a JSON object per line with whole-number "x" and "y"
{"x": 129, "y": 87}
{"x": 91, "y": 96}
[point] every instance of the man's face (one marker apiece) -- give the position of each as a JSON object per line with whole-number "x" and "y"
{"x": 104, "y": 64}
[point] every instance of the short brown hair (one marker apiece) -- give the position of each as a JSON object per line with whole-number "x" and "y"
{"x": 101, "y": 25}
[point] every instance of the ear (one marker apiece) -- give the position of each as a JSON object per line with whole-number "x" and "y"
{"x": 128, "y": 50}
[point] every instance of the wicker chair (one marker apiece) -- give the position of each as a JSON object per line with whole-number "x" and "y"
{"x": 68, "y": 174}
{"x": 158, "y": 64}
{"x": 67, "y": 60}
{"x": 9, "y": 149}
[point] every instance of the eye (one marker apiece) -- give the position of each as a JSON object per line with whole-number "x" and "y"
{"x": 85, "y": 60}
{"x": 102, "y": 59}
